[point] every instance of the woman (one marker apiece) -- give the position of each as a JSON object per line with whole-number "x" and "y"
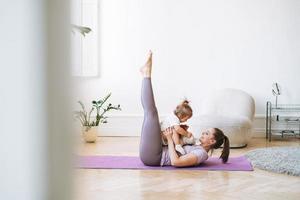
{"x": 152, "y": 152}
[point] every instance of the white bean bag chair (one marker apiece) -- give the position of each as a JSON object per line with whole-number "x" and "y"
{"x": 230, "y": 110}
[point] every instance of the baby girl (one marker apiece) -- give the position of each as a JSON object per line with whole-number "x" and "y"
{"x": 181, "y": 136}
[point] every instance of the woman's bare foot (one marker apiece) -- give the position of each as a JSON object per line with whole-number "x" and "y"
{"x": 146, "y": 69}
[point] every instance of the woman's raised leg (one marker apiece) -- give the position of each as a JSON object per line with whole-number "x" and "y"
{"x": 150, "y": 145}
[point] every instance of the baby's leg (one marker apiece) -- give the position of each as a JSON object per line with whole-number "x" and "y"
{"x": 181, "y": 142}
{"x": 176, "y": 137}
{"x": 188, "y": 140}
{"x": 177, "y": 141}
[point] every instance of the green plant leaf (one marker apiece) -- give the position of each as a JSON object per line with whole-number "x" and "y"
{"x": 81, "y": 29}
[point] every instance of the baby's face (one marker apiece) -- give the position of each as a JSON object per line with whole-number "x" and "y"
{"x": 184, "y": 119}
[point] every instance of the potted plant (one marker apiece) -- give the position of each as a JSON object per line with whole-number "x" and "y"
{"x": 89, "y": 122}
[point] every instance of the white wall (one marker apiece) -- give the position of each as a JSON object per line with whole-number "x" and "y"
{"x": 198, "y": 46}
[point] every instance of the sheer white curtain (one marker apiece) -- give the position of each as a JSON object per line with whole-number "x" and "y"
{"x": 34, "y": 76}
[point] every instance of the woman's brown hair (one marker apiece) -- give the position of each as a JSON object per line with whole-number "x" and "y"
{"x": 221, "y": 138}
{"x": 183, "y": 109}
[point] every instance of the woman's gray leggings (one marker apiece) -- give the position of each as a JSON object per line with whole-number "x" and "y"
{"x": 151, "y": 144}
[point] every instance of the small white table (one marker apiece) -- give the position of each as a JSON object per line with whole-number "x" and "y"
{"x": 282, "y": 120}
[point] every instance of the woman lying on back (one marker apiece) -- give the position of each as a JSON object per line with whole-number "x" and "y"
{"x": 153, "y": 153}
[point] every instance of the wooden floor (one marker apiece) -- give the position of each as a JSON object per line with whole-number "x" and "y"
{"x": 92, "y": 184}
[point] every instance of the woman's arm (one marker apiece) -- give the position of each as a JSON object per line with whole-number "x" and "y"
{"x": 178, "y": 161}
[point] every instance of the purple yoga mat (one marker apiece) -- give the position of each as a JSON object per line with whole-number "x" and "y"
{"x": 128, "y": 162}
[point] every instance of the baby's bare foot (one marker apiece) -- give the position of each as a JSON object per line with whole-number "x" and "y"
{"x": 146, "y": 69}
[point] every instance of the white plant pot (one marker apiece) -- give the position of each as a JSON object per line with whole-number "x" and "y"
{"x": 89, "y": 133}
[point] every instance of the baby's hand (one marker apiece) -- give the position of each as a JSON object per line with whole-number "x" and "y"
{"x": 189, "y": 134}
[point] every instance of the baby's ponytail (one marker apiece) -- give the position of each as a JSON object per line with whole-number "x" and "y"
{"x": 185, "y": 102}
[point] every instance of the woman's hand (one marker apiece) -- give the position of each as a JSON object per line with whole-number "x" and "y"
{"x": 168, "y": 133}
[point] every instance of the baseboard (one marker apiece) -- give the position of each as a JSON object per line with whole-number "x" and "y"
{"x": 131, "y": 125}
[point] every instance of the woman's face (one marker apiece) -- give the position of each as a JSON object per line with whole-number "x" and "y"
{"x": 207, "y": 137}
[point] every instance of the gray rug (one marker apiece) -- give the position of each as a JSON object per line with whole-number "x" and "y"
{"x": 284, "y": 160}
